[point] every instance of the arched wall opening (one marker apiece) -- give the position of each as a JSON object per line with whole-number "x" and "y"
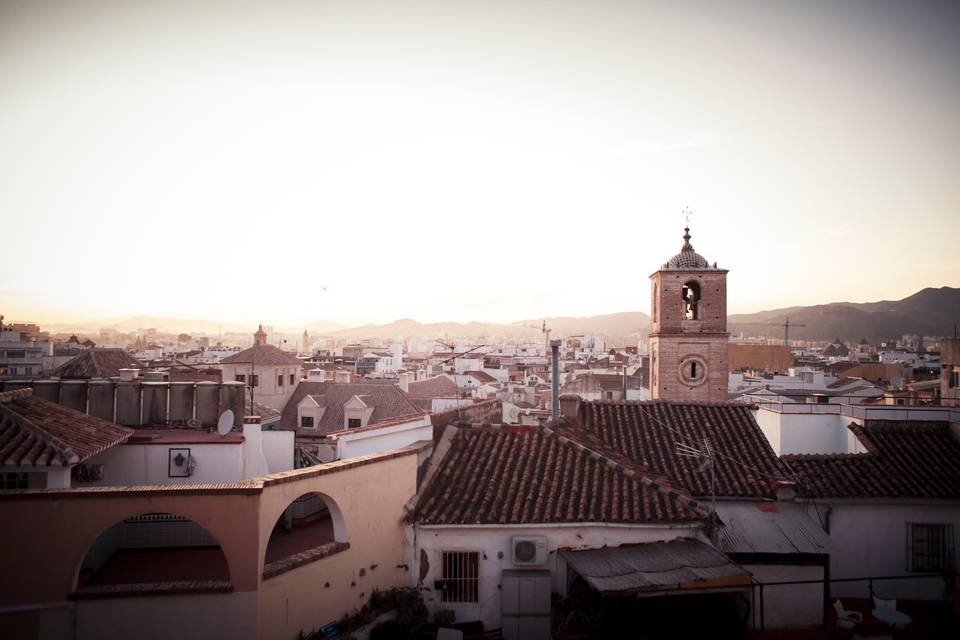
{"x": 691, "y": 300}
{"x": 152, "y": 548}
{"x": 311, "y": 527}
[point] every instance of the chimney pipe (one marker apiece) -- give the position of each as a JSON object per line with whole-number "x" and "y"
{"x": 555, "y": 400}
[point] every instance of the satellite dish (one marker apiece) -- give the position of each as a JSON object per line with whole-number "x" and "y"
{"x": 225, "y": 423}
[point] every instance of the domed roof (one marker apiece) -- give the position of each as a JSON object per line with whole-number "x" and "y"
{"x": 687, "y": 258}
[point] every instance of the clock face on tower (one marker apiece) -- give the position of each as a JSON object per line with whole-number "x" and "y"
{"x": 692, "y": 371}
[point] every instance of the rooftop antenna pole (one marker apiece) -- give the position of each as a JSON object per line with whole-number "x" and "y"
{"x": 555, "y": 382}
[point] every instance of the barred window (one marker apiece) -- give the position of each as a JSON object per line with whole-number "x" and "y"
{"x": 461, "y": 579}
{"x": 14, "y": 480}
{"x": 930, "y": 547}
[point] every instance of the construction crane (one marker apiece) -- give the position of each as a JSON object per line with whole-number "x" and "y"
{"x": 786, "y": 327}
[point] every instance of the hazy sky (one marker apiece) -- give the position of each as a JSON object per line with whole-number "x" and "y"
{"x": 469, "y": 160}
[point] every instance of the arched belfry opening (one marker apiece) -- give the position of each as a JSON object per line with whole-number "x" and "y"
{"x": 691, "y": 300}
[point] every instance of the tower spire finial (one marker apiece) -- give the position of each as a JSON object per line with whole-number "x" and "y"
{"x": 686, "y": 230}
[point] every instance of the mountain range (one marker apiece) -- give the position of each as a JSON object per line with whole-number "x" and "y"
{"x": 615, "y": 324}
{"x": 930, "y": 311}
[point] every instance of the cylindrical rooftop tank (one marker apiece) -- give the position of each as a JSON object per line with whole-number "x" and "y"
{"x": 101, "y": 393}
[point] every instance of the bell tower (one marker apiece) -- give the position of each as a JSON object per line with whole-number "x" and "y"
{"x": 688, "y": 335}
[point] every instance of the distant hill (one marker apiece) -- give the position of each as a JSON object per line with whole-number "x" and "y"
{"x": 616, "y": 324}
{"x": 929, "y": 312}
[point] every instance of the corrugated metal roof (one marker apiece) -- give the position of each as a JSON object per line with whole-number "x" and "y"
{"x": 769, "y": 527}
{"x": 655, "y": 566}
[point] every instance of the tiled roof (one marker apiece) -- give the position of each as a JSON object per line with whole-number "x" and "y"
{"x": 36, "y": 432}
{"x": 482, "y": 376}
{"x": 263, "y": 354}
{"x": 909, "y": 459}
{"x": 517, "y": 476}
{"x": 97, "y": 363}
{"x": 387, "y": 400}
{"x": 436, "y": 387}
{"x": 647, "y": 433}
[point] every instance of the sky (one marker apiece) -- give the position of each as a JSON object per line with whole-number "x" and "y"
{"x": 354, "y": 161}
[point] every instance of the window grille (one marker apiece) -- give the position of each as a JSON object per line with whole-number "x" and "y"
{"x": 461, "y": 579}
{"x": 306, "y": 422}
{"x": 930, "y": 547}
{"x": 14, "y": 480}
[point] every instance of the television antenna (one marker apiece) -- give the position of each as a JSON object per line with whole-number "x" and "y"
{"x": 705, "y": 453}
{"x": 225, "y": 423}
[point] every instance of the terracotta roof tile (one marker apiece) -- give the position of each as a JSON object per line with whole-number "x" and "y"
{"x": 36, "y": 432}
{"x": 97, "y": 363}
{"x": 647, "y": 434}
{"x": 262, "y": 354}
{"x": 387, "y": 400}
{"x": 435, "y": 387}
{"x": 506, "y": 476}
{"x": 904, "y": 460}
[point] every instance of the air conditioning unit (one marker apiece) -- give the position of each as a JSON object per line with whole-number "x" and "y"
{"x": 529, "y": 551}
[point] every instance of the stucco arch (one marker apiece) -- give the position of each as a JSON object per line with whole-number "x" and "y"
{"x": 78, "y": 565}
{"x": 336, "y": 520}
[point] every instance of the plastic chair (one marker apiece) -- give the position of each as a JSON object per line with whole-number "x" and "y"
{"x": 846, "y": 619}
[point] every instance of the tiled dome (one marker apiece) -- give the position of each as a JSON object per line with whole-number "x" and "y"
{"x": 687, "y": 258}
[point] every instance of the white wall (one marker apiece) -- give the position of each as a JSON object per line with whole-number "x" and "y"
{"x": 870, "y": 539}
{"x": 493, "y": 543}
{"x": 804, "y": 432}
{"x": 788, "y": 606}
{"x": 131, "y": 464}
{"x": 375, "y": 440}
{"x": 278, "y": 450}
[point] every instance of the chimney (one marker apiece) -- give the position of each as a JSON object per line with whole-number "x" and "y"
{"x": 405, "y": 381}
{"x": 129, "y": 375}
{"x": 342, "y": 377}
{"x": 570, "y": 407}
{"x": 254, "y": 462}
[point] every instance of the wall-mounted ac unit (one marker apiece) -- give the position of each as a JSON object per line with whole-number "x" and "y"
{"x": 529, "y": 551}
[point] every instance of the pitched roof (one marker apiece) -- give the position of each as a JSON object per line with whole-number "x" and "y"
{"x": 647, "y": 433}
{"x": 517, "y": 476}
{"x": 97, "y": 363}
{"x": 435, "y": 387}
{"x": 482, "y": 376}
{"x": 387, "y": 400}
{"x": 37, "y": 432}
{"x": 264, "y": 354}
{"x": 908, "y": 459}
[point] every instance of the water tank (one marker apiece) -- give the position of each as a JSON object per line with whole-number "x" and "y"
{"x": 100, "y": 393}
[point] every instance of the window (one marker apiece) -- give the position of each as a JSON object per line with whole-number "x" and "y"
{"x": 609, "y": 395}
{"x": 280, "y": 380}
{"x": 15, "y": 480}
{"x": 254, "y": 380}
{"x": 955, "y": 378}
{"x": 461, "y": 579}
{"x": 306, "y": 422}
{"x": 929, "y": 547}
{"x": 240, "y": 377}
{"x": 353, "y": 423}
{"x": 293, "y": 379}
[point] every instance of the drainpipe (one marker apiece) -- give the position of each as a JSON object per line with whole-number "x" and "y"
{"x": 555, "y": 356}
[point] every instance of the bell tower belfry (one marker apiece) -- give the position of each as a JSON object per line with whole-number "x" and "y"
{"x": 688, "y": 334}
